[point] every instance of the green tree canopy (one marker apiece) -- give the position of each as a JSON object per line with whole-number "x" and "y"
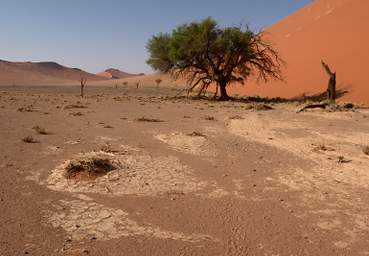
{"x": 204, "y": 53}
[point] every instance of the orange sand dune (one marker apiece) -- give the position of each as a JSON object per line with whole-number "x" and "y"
{"x": 336, "y": 31}
{"x": 113, "y": 73}
{"x": 40, "y": 73}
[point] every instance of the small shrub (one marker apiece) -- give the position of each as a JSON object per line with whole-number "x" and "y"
{"x": 366, "y": 150}
{"x": 196, "y": 134}
{"x": 152, "y": 120}
{"x": 76, "y": 114}
{"x": 343, "y": 160}
{"x": 89, "y": 168}
{"x": 73, "y": 106}
{"x": 26, "y": 109}
{"x": 29, "y": 139}
{"x": 236, "y": 117}
{"x": 210, "y": 118}
{"x": 40, "y": 130}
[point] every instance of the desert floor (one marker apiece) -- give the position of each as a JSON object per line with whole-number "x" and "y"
{"x": 191, "y": 177}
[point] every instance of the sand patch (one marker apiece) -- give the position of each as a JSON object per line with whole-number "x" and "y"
{"x": 137, "y": 173}
{"x": 90, "y": 220}
{"x": 324, "y": 181}
{"x": 194, "y": 143}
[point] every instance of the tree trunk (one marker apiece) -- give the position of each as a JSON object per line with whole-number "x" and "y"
{"x": 223, "y": 92}
{"x": 332, "y": 88}
{"x": 331, "y": 91}
{"x": 82, "y": 94}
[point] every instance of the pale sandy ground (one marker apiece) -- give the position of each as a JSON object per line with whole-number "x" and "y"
{"x": 244, "y": 182}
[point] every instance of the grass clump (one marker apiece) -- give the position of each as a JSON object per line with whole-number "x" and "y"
{"x": 209, "y": 118}
{"x": 196, "y": 134}
{"x": 89, "y": 168}
{"x": 366, "y": 150}
{"x": 236, "y": 117}
{"x": 74, "y": 106}
{"x": 29, "y": 139}
{"x": 152, "y": 120}
{"x": 40, "y": 130}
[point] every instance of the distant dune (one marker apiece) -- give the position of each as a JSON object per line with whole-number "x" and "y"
{"x": 333, "y": 30}
{"x": 40, "y": 73}
{"x": 113, "y": 73}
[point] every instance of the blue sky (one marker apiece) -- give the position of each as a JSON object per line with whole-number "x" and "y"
{"x": 99, "y": 34}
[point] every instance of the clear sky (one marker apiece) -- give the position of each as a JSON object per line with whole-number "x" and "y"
{"x": 99, "y": 34}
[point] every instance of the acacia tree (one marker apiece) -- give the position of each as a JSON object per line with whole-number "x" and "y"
{"x": 203, "y": 53}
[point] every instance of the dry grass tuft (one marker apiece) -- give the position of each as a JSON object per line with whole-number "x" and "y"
{"x": 209, "y": 118}
{"x": 196, "y": 134}
{"x": 40, "y": 130}
{"x": 236, "y": 117}
{"x": 89, "y": 169}
{"x": 76, "y": 114}
{"x": 29, "y": 139}
{"x": 152, "y": 120}
{"x": 343, "y": 160}
{"x": 261, "y": 107}
{"x": 74, "y": 106}
{"x": 26, "y": 109}
{"x": 366, "y": 150}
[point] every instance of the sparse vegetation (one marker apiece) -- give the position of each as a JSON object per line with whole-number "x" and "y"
{"x": 26, "y": 109}
{"x": 89, "y": 168}
{"x": 196, "y": 134}
{"x": 366, "y": 150}
{"x": 261, "y": 107}
{"x": 209, "y": 118}
{"x": 343, "y": 160}
{"x": 236, "y": 117}
{"x": 203, "y": 53}
{"x": 83, "y": 82}
{"x": 158, "y": 81}
{"x": 40, "y": 130}
{"x": 76, "y": 114}
{"x": 73, "y": 106}
{"x": 152, "y": 120}
{"x": 29, "y": 139}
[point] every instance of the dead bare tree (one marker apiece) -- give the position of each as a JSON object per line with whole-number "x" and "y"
{"x": 158, "y": 81}
{"x": 331, "y": 90}
{"x": 83, "y": 83}
{"x": 137, "y": 84}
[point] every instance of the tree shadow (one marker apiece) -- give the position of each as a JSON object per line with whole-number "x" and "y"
{"x": 302, "y": 98}
{"x": 320, "y": 96}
